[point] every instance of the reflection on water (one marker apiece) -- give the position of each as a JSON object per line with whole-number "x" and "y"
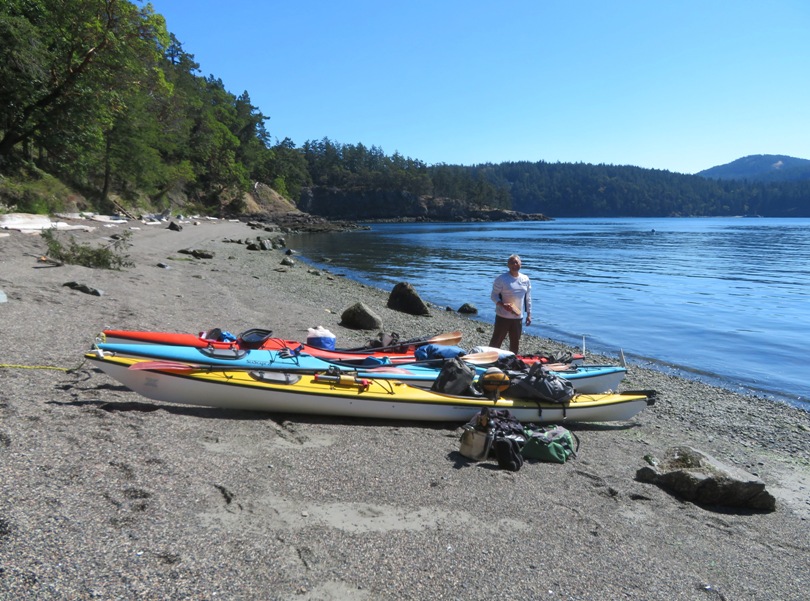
{"x": 726, "y": 297}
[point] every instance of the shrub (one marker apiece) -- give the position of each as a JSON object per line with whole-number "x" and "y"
{"x": 100, "y": 257}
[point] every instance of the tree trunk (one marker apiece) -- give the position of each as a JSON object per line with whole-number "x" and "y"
{"x": 105, "y": 190}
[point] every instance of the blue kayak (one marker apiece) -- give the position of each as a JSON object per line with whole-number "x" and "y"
{"x": 587, "y": 379}
{"x": 273, "y": 360}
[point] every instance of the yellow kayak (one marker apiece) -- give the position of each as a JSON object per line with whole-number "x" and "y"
{"x": 343, "y": 394}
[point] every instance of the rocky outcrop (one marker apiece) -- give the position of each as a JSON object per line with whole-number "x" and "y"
{"x": 325, "y": 209}
{"x": 399, "y": 205}
{"x": 700, "y": 478}
{"x": 267, "y": 210}
{"x": 298, "y": 222}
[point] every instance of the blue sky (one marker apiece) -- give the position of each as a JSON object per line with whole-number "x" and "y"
{"x": 678, "y": 85}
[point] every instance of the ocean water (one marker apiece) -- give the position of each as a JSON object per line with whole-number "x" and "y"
{"x": 726, "y": 300}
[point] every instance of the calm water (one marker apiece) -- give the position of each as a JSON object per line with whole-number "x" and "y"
{"x": 723, "y": 299}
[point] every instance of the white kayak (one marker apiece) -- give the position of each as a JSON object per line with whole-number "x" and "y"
{"x": 346, "y": 395}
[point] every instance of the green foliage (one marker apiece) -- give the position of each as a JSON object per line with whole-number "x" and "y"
{"x": 285, "y": 167}
{"x": 356, "y": 166}
{"x": 30, "y": 190}
{"x": 100, "y": 95}
{"x": 102, "y": 257}
{"x": 279, "y": 185}
{"x": 582, "y": 190}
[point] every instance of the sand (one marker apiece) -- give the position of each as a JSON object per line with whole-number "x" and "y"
{"x": 108, "y": 495}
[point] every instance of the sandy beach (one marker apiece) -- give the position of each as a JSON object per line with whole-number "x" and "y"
{"x": 108, "y": 495}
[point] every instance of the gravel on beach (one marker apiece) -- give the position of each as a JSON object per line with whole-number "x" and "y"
{"x": 109, "y": 495}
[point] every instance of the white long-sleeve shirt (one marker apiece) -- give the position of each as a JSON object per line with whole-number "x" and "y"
{"x": 515, "y": 290}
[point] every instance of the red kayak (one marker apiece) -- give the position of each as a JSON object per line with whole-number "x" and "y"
{"x": 399, "y": 352}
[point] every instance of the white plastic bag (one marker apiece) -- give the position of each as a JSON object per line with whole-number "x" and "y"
{"x": 320, "y": 337}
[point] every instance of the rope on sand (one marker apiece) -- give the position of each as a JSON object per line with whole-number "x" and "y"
{"x": 9, "y": 365}
{"x": 53, "y": 367}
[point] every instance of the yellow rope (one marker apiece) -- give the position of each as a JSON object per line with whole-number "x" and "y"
{"x": 35, "y": 367}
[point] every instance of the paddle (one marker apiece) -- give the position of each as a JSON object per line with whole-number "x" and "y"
{"x": 484, "y": 358}
{"x": 448, "y": 338}
{"x": 343, "y": 380}
{"x": 558, "y": 367}
{"x": 168, "y": 366}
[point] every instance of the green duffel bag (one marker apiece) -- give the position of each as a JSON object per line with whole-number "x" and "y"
{"x": 551, "y": 443}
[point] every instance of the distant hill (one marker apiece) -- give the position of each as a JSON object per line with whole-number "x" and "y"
{"x": 762, "y": 168}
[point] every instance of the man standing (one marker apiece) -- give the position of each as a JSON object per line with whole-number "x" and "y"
{"x": 512, "y": 295}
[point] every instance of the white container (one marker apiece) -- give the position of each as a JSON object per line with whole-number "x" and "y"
{"x": 320, "y": 337}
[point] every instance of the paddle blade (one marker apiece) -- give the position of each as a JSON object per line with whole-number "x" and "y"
{"x": 449, "y": 338}
{"x": 484, "y": 358}
{"x": 560, "y": 366}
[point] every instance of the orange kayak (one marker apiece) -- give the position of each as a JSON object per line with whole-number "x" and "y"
{"x": 402, "y": 351}
{"x": 256, "y": 338}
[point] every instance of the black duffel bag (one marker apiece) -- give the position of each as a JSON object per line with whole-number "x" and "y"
{"x": 538, "y": 383}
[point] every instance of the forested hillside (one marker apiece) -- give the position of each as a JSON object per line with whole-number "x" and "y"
{"x": 578, "y": 190}
{"x": 100, "y": 103}
{"x": 762, "y": 168}
{"x": 98, "y": 95}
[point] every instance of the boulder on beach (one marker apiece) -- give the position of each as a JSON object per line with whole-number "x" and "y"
{"x": 360, "y": 317}
{"x": 698, "y": 477}
{"x": 404, "y": 298}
